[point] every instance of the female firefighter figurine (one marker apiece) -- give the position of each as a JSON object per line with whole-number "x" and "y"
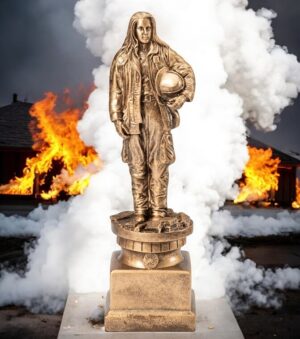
{"x": 149, "y": 82}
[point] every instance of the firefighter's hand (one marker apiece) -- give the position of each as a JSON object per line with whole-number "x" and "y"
{"x": 121, "y": 129}
{"x": 176, "y": 102}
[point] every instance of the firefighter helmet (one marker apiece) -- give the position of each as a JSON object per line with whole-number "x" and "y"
{"x": 168, "y": 83}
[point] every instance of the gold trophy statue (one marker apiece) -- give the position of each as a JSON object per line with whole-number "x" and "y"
{"x": 150, "y": 286}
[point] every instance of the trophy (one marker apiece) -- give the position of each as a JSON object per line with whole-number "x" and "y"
{"x": 150, "y": 277}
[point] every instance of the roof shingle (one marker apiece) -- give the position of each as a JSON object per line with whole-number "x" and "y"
{"x": 14, "y": 125}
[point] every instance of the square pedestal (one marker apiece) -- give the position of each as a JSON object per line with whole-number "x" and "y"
{"x": 150, "y": 300}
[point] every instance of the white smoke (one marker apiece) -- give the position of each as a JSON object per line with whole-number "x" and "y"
{"x": 243, "y": 282}
{"x": 20, "y": 226}
{"x": 75, "y": 242}
{"x": 225, "y": 224}
{"x": 259, "y": 71}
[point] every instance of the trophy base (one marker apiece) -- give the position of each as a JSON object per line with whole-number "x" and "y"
{"x": 150, "y": 321}
{"x": 157, "y": 300}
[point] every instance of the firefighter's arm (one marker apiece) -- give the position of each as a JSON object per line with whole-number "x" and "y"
{"x": 179, "y": 65}
{"x": 116, "y": 100}
{"x": 115, "y": 93}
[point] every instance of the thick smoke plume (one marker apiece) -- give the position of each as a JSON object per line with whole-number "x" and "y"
{"x": 241, "y": 74}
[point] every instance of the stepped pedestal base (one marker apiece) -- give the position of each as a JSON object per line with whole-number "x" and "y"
{"x": 155, "y": 300}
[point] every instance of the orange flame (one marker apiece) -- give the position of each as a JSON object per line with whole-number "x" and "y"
{"x": 260, "y": 176}
{"x": 56, "y": 139}
{"x": 296, "y": 203}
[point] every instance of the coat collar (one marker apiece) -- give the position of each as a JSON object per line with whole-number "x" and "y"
{"x": 153, "y": 49}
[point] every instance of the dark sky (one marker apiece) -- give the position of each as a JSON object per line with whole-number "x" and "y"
{"x": 41, "y": 51}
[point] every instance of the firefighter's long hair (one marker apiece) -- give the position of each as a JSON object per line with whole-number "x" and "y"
{"x": 130, "y": 45}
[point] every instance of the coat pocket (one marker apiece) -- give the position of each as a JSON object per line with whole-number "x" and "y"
{"x": 125, "y": 150}
{"x": 167, "y": 153}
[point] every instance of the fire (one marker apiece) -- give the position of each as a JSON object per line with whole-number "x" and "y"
{"x": 260, "y": 176}
{"x": 59, "y": 147}
{"x": 296, "y": 203}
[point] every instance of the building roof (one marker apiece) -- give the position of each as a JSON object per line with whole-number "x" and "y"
{"x": 14, "y": 125}
{"x": 284, "y": 157}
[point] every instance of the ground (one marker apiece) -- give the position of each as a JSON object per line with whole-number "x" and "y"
{"x": 17, "y": 322}
{"x": 269, "y": 323}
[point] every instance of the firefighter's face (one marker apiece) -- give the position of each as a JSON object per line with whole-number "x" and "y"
{"x": 144, "y": 30}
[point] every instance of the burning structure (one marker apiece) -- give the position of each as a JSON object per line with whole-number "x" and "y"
{"x": 15, "y": 139}
{"x": 42, "y": 155}
{"x": 270, "y": 177}
{"x": 41, "y": 152}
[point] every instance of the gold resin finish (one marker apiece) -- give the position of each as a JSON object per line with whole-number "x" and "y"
{"x": 149, "y": 82}
{"x": 150, "y": 279}
{"x": 156, "y": 244}
{"x": 150, "y": 300}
